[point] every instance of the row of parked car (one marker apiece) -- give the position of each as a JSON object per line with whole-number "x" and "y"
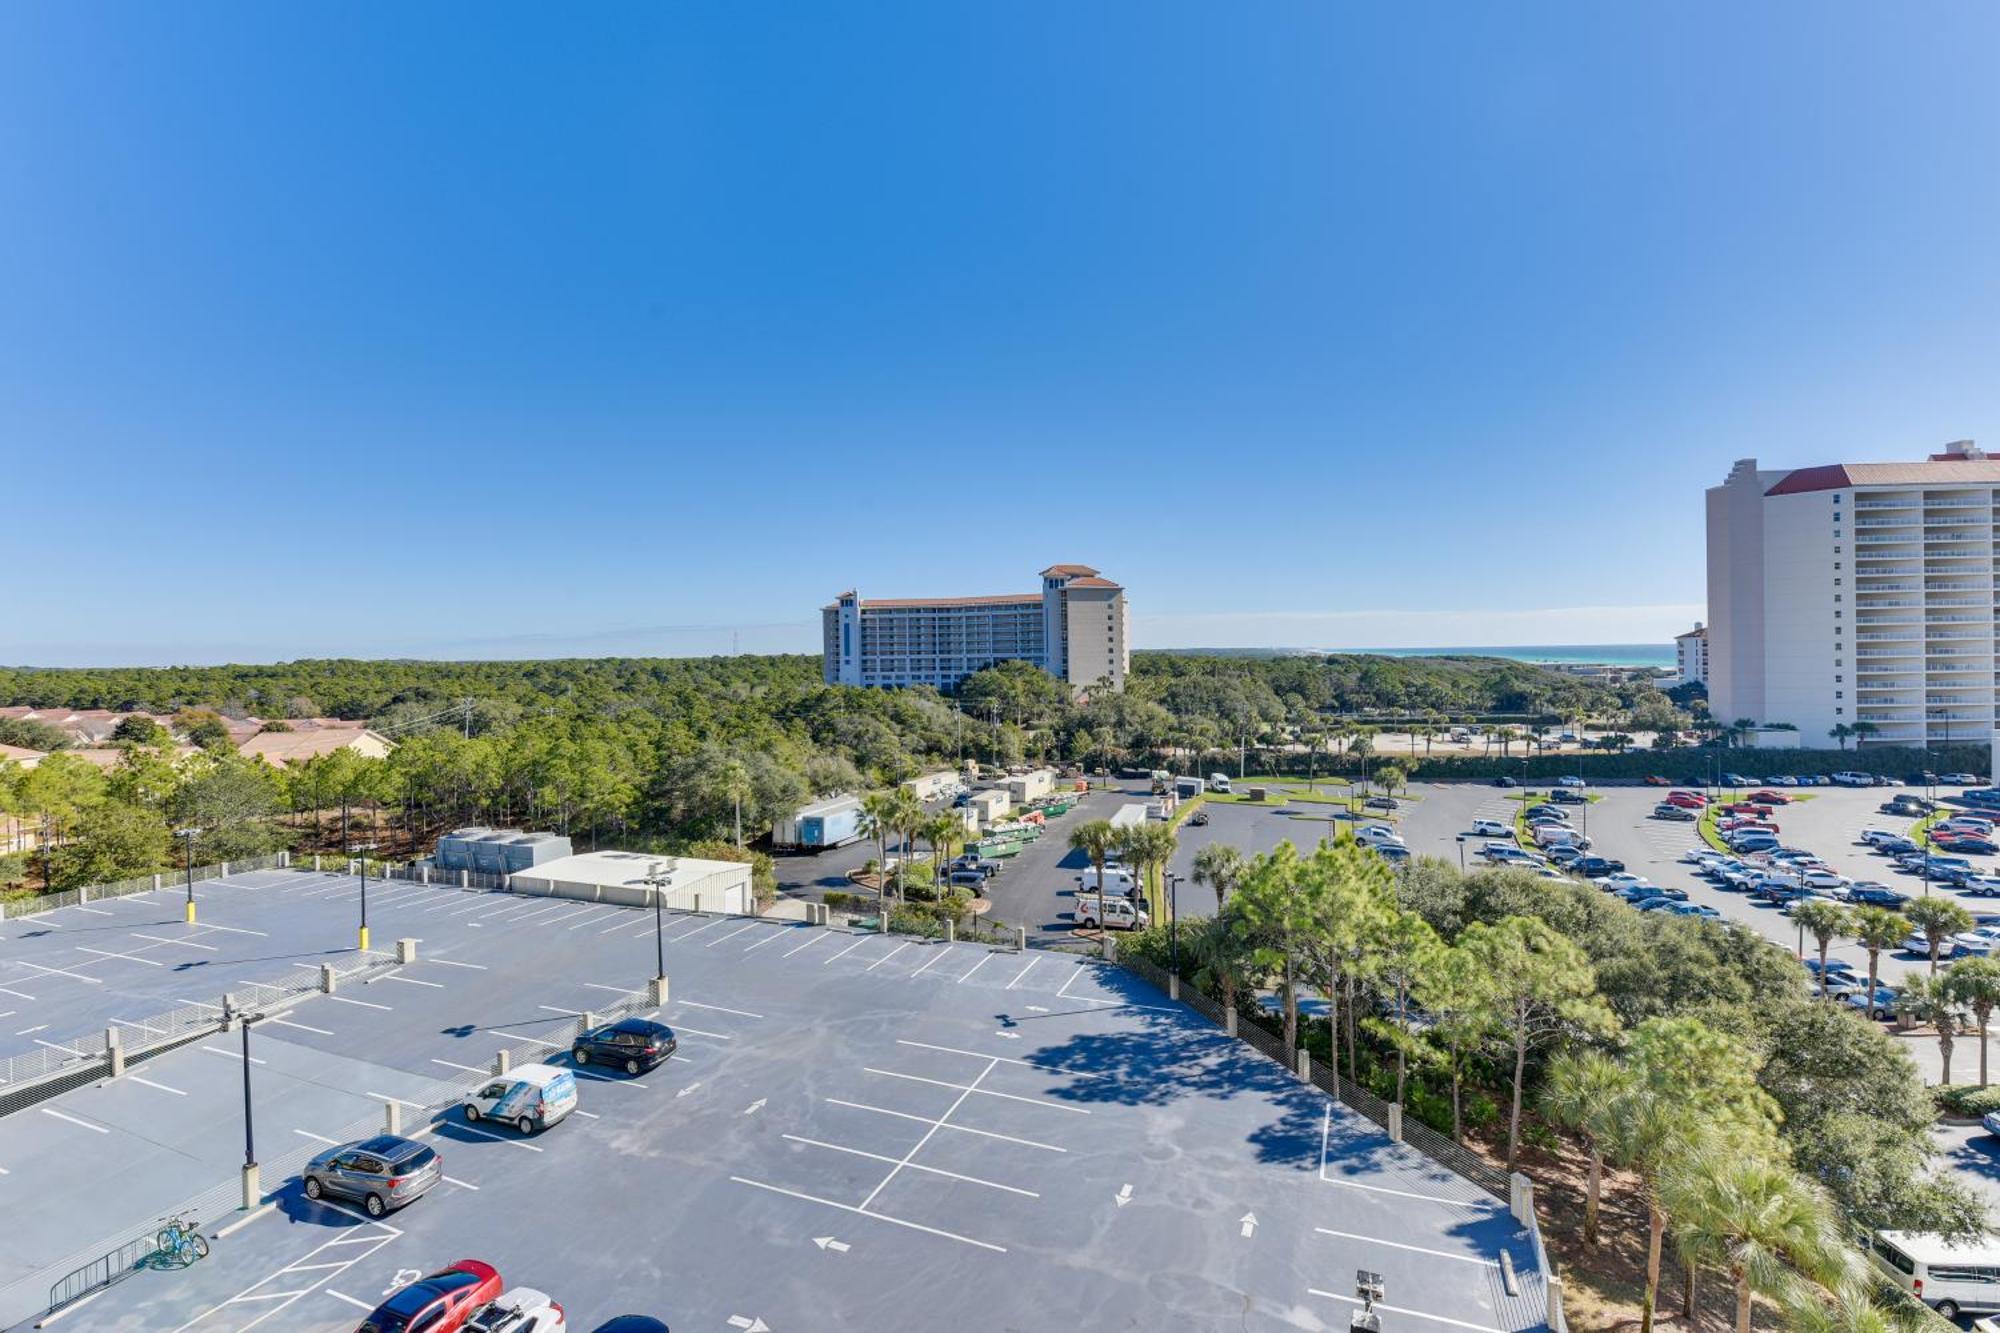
{"x": 469, "y": 1297}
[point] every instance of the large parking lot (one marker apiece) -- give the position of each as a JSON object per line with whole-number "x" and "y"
{"x": 858, "y": 1131}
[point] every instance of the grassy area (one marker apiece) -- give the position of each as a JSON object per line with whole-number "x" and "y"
{"x": 1921, "y": 830}
{"x": 1709, "y": 833}
{"x": 1590, "y": 798}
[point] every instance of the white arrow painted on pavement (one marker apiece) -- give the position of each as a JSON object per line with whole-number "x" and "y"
{"x": 1010, "y": 1036}
{"x": 749, "y": 1325}
{"x": 754, "y": 1107}
{"x": 829, "y": 1243}
{"x": 689, "y": 1088}
{"x": 1038, "y": 1009}
{"x": 1249, "y": 1221}
{"x": 1124, "y": 1195}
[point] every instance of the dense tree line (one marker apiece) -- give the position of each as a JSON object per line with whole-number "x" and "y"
{"x": 658, "y": 752}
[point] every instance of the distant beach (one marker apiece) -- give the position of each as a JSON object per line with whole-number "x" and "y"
{"x": 1608, "y": 654}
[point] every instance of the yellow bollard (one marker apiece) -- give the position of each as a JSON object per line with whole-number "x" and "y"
{"x": 190, "y": 911}
{"x": 364, "y": 939}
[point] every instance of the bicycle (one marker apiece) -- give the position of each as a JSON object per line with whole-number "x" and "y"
{"x": 179, "y": 1242}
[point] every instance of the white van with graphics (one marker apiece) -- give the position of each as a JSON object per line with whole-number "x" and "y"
{"x": 1093, "y": 910}
{"x": 530, "y": 1098}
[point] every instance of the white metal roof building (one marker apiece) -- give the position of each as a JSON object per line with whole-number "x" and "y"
{"x": 616, "y": 877}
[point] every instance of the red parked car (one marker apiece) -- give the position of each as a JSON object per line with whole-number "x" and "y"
{"x": 1770, "y": 798}
{"x": 1748, "y": 810}
{"x": 1687, "y": 800}
{"x": 1655, "y": 780}
{"x": 1737, "y": 825}
{"x": 440, "y": 1303}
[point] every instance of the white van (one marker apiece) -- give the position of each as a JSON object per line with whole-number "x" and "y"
{"x": 1377, "y": 835}
{"x": 530, "y": 1098}
{"x": 1553, "y": 835}
{"x": 1218, "y": 782}
{"x": 1113, "y": 913}
{"x": 1116, "y": 880}
{"x": 1952, "y": 1279}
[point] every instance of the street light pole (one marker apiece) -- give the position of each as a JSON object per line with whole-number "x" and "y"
{"x": 187, "y": 837}
{"x": 659, "y": 877}
{"x": 1174, "y": 920}
{"x": 364, "y": 848}
{"x": 252, "y": 1188}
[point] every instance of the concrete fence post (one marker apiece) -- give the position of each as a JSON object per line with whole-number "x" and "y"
{"x": 285, "y": 860}
{"x": 502, "y": 1062}
{"x": 83, "y": 893}
{"x": 406, "y": 951}
{"x": 1396, "y": 1122}
{"x": 465, "y": 879}
{"x": 950, "y": 931}
{"x": 392, "y": 1116}
{"x": 1229, "y": 1020}
{"x": 423, "y": 874}
{"x": 659, "y": 991}
{"x": 1305, "y": 1065}
{"x": 585, "y": 1021}
{"x": 1173, "y": 985}
{"x": 114, "y": 1052}
{"x": 156, "y": 884}
{"x": 225, "y": 870}
{"x": 1521, "y": 1198}
{"x": 253, "y": 1186}
{"x": 1109, "y": 946}
{"x": 1021, "y": 938}
{"x": 328, "y": 978}
{"x": 315, "y": 861}
{"x": 697, "y": 904}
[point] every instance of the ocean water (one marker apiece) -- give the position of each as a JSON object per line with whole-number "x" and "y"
{"x": 1609, "y": 654}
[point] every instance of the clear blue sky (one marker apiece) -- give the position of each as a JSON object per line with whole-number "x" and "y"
{"x": 495, "y": 330}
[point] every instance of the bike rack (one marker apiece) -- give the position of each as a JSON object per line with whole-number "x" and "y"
{"x": 103, "y": 1271}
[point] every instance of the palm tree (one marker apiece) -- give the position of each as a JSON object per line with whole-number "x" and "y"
{"x": 1096, "y": 840}
{"x": 1974, "y": 983}
{"x": 1581, "y": 1094}
{"x": 942, "y": 831}
{"x": 1825, "y": 922}
{"x": 906, "y": 816}
{"x": 1928, "y": 999}
{"x": 1220, "y": 867}
{"x": 1937, "y": 919}
{"x": 1840, "y": 732}
{"x": 877, "y": 810}
{"x": 1763, "y": 1223}
{"x": 1220, "y": 957}
{"x": 1877, "y": 929}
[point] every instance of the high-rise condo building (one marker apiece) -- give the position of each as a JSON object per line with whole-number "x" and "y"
{"x": 1074, "y": 629}
{"x": 1856, "y": 595}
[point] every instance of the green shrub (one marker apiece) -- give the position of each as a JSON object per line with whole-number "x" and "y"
{"x": 1967, "y": 1099}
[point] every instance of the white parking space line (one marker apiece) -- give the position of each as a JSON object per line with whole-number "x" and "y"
{"x": 161, "y": 1086}
{"x": 1326, "y": 1125}
{"x": 935, "y": 959}
{"x": 697, "y": 1004}
{"x": 94, "y": 911}
{"x": 303, "y": 1027}
{"x": 237, "y": 930}
{"x": 975, "y": 967}
{"x": 39, "y": 1027}
{"x": 1399, "y": 1309}
{"x": 132, "y": 957}
{"x": 959, "y": 1050}
{"x": 365, "y": 1004}
{"x": 593, "y": 920}
{"x": 452, "y": 962}
{"x": 126, "y": 1023}
{"x": 233, "y": 1055}
{"x": 359, "y": 1305}
{"x": 185, "y": 944}
{"x": 688, "y": 935}
{"x": 887, "y": 956}
{"x": 568, "y": 916}
{"x": 913, "y": 1166}
{"x": 19, "y": 995}
{"x": 962, "y": 1129}
{"x": 615, "y": 990}
{"x": 724, "y": 939}
{"x": 316, "y": 1138}
{"x": 697, "y": 1032}
{"x": 539, "y": 1041}
{"x": 771, "y": 938}
{"x": 401, "y": 1101}
{"x": 863, "y": 1212}
{"x": 814, "y": 938}
{"x": 380, "y": 1234}
{"x": 1023, "y": 972}
{"x": 1397, "y": 1245}
{"x": 411, "y": 981}
{"x": 58, "y": 971}
{"x": 858, "y": 942}
{"x": 462, "y": 1184}
{"x": 970, "y": 1088}
{"x": 470, "y": 1069}
{"x": 45, "y": 1110}
{"x": 566, "y": 1013}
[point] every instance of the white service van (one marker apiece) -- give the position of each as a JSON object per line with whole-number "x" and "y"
{"x": 1218, "y": 782}
{"x": 1112, "y": 913}
{"x": 528, "y": 1097}
{"x": 1116, "y": 879}
{"x": 1952, "y": 1279}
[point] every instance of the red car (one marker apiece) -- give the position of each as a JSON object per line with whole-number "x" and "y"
{"x": 440, "y": 1303}
{"x": 1760, "y": 825}
{"x": 1770, "y": 798}
{"x": 1655, "y": 780}
{"x": 1747, "y": 809}
{"x": 1687, "y": 800}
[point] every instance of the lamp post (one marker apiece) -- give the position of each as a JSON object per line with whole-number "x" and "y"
{"x": 187, "y": 836}
{"x": 1174, "y": 920}
{"x": 659, "y": 877}
{"x": 364, "y": 848}
{"x": 251, "y": 1182}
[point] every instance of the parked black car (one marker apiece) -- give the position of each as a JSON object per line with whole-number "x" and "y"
{"x": 1504, "y": 781}
{"x": 1591, "y": 866}
{"x": 1876, "y": 896}
{"x": 1568, "y": 796}
{"x": 633, "y": 1044}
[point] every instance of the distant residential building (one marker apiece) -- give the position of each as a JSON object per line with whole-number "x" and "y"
{"x": 84, "y": 726}
{"x": 1074, "y": 629}
{"x": 296, "y": 747}
{"x": 1856, "y": 593}
{"x": 21, "y": 754}
{"x": 1691, "y": 655}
